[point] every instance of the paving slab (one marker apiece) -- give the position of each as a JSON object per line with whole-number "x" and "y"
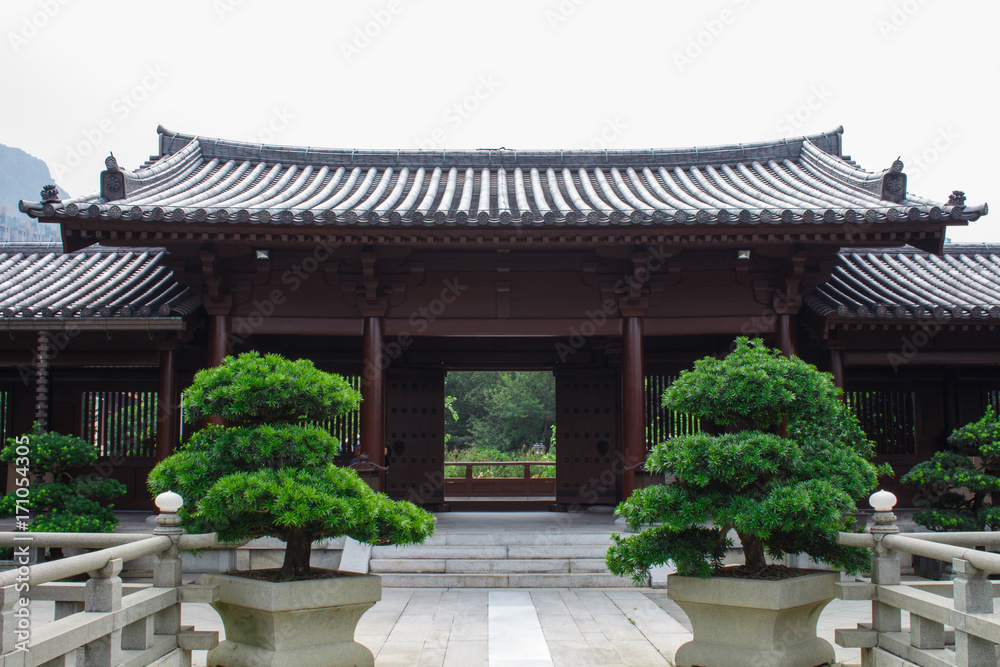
{"x": 571, "y": 627}
{"x": 516, "y": 637}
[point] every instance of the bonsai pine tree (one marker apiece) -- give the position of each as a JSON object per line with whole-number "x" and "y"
{"x": 958, "y": 485}
{"x": 268, "y": 473}
{"x": 784, "y": 471}
{"x": 66, "y": 504}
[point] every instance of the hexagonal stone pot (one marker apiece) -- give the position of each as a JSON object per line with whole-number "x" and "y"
{"x": 750, "y": 623}
{"x": 292, "y": 624}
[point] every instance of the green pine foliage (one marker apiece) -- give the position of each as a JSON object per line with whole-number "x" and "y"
{"x": 66, "y": 504}
{"x": 270, "y": 475}
{"x": 783, "y": 493}
{"x": 957, "y": 486}
{"x": 503, "y": 410}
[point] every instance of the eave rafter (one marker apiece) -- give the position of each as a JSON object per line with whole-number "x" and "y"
{"x": 915, "y": 235}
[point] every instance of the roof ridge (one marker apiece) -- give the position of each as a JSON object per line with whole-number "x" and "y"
{"x": 949, "y": 248}
{"x": 170, "y": 142}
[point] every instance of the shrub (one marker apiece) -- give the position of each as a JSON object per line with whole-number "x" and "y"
{"x": 67, "y": 504}
{"x": 784, "y": 473}
{"x": 957, "y": 486}
{"x": 270, "y": 475}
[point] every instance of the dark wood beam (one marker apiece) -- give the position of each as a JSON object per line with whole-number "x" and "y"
{"x": 929, "y": 358}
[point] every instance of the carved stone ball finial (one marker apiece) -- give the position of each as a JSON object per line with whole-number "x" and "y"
{"x": 50, "y": 194}
{"x": 111, "y": 163}
{"x": 957, "y": 198}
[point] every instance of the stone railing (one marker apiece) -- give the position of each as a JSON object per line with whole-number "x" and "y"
{"x": 102, "y": 622}
{"x": 951, "y": 623}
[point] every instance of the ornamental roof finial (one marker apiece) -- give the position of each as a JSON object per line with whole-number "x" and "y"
{"x": 50, "y": 194}
{"x": 957, "y": 198}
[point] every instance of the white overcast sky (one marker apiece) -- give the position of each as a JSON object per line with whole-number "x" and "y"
{"x": 909, "y": 78}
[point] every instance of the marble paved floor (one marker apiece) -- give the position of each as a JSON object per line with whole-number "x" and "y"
{"x": 417, "y": 627}
{"x": 474, "y": 627}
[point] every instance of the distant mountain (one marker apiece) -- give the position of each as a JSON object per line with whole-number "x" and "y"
{"x": 22, "y": 177}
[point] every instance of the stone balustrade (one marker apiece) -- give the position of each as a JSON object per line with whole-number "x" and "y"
{"x": 951, "y": 623}
{"x": 102, "y": 622}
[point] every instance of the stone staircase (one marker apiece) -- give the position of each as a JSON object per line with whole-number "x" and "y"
{"x": 545, "y": 559}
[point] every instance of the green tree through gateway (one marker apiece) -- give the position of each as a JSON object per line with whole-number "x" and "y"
{"x": 502, "y": 410}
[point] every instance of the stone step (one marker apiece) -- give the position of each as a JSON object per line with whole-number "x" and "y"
{"x": 497, "y": 580}
{"x": 487, "y": 566}
{"x": 518, "y": 539}
{"x": 488, "y": 552}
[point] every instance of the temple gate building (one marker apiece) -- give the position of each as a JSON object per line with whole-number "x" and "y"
{"x": 614, "y": 270}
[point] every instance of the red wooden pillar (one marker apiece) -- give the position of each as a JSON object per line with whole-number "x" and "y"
{"x": 837, "y": 369}
{"x": 633, "y": 402}
{"x": 372, "y": 392}
{"x": 218, "y": 329}
{"x": 786, "y": 334}
{"x": 166, "y": 404}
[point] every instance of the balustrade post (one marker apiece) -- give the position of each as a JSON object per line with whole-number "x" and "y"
{"x": 885, "y": 565}
{"x": 925, "y": 633}
{"x": 973, "y": 594}
{"x": 104, "y": 594}
{"x": 168, "y": 569}
{"x": 8, "y": 622}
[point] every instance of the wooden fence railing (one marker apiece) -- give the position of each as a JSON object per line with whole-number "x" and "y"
{"x": 525, "y": 485}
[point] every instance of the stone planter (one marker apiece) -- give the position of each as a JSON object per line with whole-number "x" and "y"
{"x": 293, "y": 624}
{"x": 747, "y": 623}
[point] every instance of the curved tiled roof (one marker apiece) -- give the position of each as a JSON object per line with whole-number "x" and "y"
{"x": 962, "y": 284}
{"x": 795, "y": 181}
{"x": 41, "y": 281}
